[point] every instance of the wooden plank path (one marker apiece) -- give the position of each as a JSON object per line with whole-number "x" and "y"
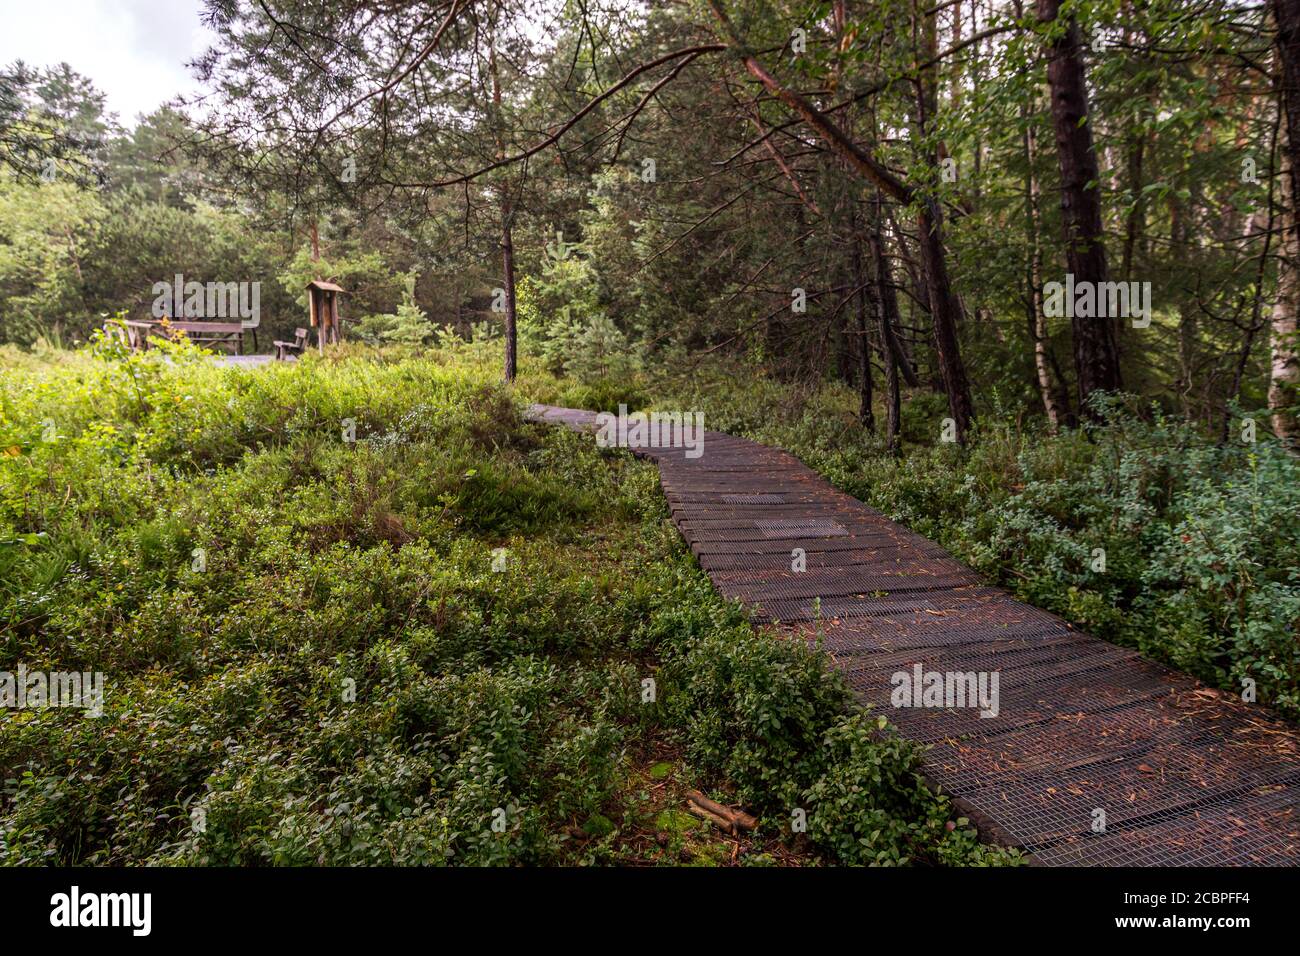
{"x": 1184, "y": 774}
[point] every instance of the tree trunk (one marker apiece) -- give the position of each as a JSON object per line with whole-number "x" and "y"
{"x": 945, "y": 308}
{"x": 1284, "y": 364}
{"x": 893, "y": 404}
{"x": 507, "y": 216}
{"x": 1096, "y": 352}
{"x": 1179, "y": 230}
{"x": 866, "y": 386}
{"x": 508, "y": 267}
{"x": 1034, "y": 279}
{"x": 1260, "y": 221}
{"x": 844, "y": 336}
{"x": 946, "y": 314}
{"x": 1284, "y": 376}
{"x": 887, "y": 316}
{"x": 1135, "y": 226}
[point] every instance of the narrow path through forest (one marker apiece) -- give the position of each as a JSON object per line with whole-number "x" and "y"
{"x": 1086, "y": 732}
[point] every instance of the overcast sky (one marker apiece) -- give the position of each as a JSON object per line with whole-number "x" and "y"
{"x": 134, "y": 50}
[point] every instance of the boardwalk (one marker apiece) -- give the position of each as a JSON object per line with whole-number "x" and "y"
{"x": 1182, "y": 773}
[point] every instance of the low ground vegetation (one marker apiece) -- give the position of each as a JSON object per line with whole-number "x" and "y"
{"x": 287, "y": 577}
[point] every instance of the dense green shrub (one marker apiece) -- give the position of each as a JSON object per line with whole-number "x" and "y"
{"x": 871, "y": 805}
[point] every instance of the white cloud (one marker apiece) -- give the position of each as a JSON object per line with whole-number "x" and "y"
{"x": 135, "y": 51}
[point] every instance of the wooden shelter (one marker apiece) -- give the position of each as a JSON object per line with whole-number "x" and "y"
{"x": 323, "y": 306}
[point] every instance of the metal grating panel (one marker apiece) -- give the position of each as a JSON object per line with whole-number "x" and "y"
{"x": 835, "y": 583}
{"x": 1259, "y": 827}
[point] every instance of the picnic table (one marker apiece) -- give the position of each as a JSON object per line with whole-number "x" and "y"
{"x": 215, "y": 333}
{"x": 136, "y": 333}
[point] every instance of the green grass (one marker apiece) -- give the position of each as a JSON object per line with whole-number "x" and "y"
{"x": 343, "y": 678}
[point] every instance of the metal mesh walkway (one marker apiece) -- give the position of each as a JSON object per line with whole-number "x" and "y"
{"x": 1095, "y": 756}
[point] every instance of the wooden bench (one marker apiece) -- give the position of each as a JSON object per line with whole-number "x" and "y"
{"x": 134, "y": 333}
{"x": 284, "y": 349}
